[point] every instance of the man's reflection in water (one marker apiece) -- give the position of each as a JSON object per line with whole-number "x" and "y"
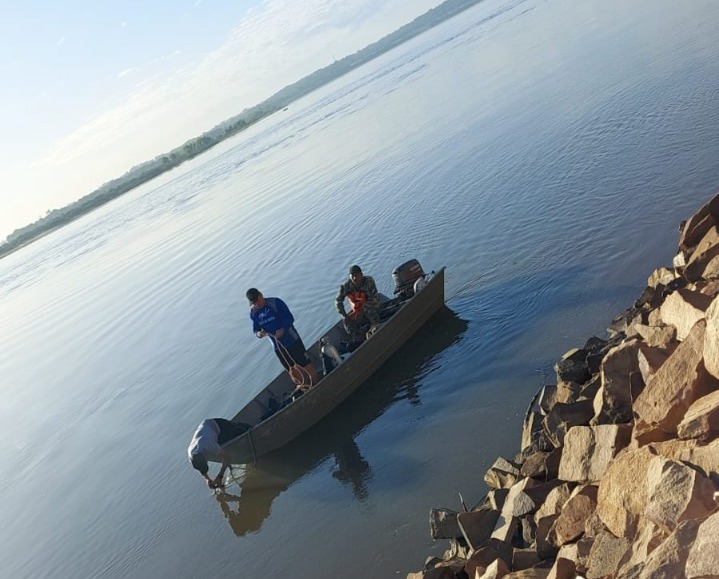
{"x": 411, "y": 393}
{"x": 352, "y": 468}
{"x": 246, "y": 512}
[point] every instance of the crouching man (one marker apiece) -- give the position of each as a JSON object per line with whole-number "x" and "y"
{"x": 207, "y": 440}
{"x": 361, "y": 292}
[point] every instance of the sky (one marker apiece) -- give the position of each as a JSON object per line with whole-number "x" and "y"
{"x": 89, "y": 89}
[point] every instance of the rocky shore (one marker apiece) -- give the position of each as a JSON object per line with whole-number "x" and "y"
{"x": 617, "y": 475}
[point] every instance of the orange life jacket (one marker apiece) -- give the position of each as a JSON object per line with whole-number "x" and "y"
{"x": 357, "y": 300}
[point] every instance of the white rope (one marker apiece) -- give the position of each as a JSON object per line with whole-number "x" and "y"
{"x": 302, "y": 385}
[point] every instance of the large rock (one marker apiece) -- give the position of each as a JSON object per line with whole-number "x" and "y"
{"x": 679, "y": 262}
{"x": 443, "y": 524}
{"x": 563, "y": 569}
{"x": 711, "y": 339}
{"x": 496, "y": 498}
{"x": 655, "y": 318}
{"x": 596, "y": 349}
{"x": 669, "y": 559}
{"x": 570, "y": 524}
{"x": 502, "y": 474}
{"x": 567, "y": 392}
{"x": 588, "y": 450}
{"x": 589, "y": 389}
{"x": 605, "y": 555}
{"x": 697, "y": 226}
{"x": 528, "y": 529}
{"x": 711, "y": 269}
{"x": 564, "y": 416}
{"x": 693, "y": 452}
{"x": 650, "y": 298}
{"x": 706, "y": 250}
{"x": 677, "y": 493}
{"x": 532, "y": 426}
{"x": 623, "y": 492}
{"x": 613, "y": 401}
{"x": 657, "y": 336}
{"x": 573, "y": 367}
{"x": 533, "y": 497}
{"x": 546, "y": 548}
{"x": 547, "y": 398}
{"x": 584, "y": 548}
{"x": 545, "y": 517}
{"x": 542, "y": 465}
{"x": 684, "y": 308}
{"x": 644, "y": 434}
{"x": 555, "y": 500}
{"x": 524, "y": 559}
{"x": 651, "y": 359}
{"x": 458, "y": 549}
{"x": 702, "y": 419}
{"x": 661, "y": 277}
{"x": 516, "y": 502}
{"x": 709, "y": 287}
{"x": 477, "y": 526}
{"x": 593, "y": 526}
{"x": 703, "y": 560}
{"x": 483, "y": 557}
{"x": 680, "y": 381}
{"x": 648, "y": 537}
{"x": 496, "y": 570}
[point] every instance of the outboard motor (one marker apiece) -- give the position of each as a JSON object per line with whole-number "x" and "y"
{"x": 330, "y": 356}
{"x": 405, "y": 277}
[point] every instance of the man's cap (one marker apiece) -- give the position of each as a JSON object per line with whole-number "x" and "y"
{"x": 252, "y": 294}
{"x": 355, "y": 269}
{"x": 199, "y": 463}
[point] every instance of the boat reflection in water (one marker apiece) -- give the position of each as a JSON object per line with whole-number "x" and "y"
{"x": 246, "y": 509}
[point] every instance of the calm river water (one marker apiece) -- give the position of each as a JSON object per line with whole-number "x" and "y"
{"x": 544, "y": 151}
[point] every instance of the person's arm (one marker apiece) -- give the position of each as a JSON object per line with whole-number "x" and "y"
{"x": 340, "y": 301}
{"x": 256, "y": 328}
{"x": 210, "y": 482}
{"x": 221, "y": 474}
{"x": 372, "y": 293}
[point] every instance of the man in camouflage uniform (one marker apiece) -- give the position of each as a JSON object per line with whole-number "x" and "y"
{"x": 361, "y": 291}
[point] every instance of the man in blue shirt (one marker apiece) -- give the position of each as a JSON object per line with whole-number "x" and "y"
{"x": 271, "y": 317}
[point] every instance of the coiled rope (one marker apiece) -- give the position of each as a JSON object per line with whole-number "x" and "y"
{"x": 293, "y": 366}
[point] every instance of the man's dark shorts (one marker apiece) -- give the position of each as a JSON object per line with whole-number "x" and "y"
{"x": 296, "y": 354}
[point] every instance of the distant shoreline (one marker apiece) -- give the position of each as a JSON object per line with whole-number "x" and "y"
{"x": 279, "y": 101}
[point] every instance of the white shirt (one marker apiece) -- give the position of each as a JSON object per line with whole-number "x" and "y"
{"x": 205, "y": 439}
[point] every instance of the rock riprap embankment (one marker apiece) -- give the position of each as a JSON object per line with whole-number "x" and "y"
{"x": 618, "y": 470}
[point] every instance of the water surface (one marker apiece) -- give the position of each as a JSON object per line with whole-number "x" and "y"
{"x": 544, "y": 151}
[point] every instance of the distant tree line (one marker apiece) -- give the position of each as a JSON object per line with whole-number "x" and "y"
{"x": 148, "y": 170}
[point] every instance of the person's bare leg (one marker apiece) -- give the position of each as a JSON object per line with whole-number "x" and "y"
{"x": 296, "y": 374}
{"x": 314, "y": 376}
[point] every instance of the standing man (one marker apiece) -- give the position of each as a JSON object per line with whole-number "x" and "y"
{"x": 271, "y": 317}
{"x": 208, "y": 438}
{"x": 361, "y": 291}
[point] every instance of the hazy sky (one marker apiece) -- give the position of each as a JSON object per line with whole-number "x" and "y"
{"x": 90, "y": 89}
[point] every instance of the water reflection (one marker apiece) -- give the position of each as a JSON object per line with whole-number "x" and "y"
{"x": 352, "y": 469}
{"x": 247, "y": 500}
